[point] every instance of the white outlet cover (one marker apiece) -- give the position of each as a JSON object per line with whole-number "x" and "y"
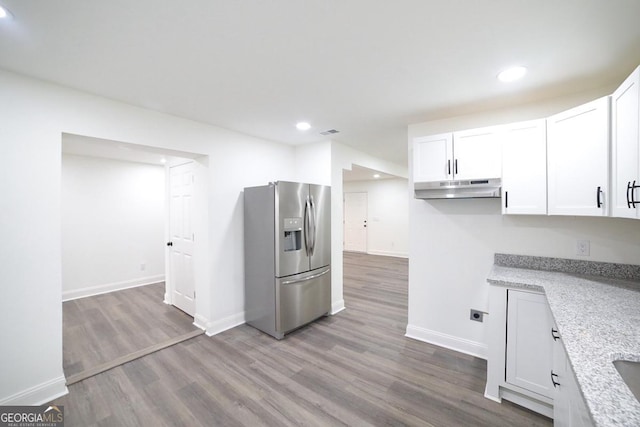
{"x": 583, "y": 248}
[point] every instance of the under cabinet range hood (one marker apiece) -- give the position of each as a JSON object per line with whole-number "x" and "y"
{"x": 459, "y": 189}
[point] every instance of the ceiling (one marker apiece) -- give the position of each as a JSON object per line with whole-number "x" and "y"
{"x": 366, "y": 68}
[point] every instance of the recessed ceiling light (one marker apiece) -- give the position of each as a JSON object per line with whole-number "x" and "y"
{"x": 303, "y": 126}
{"x": 376, "y": 175}
{"x": 163, "y": 160}
{"x": 4, "y": 13}
{"x": 512, "y": 74}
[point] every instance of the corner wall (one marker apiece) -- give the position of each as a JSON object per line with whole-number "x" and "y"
{"x": 452, "y": 242}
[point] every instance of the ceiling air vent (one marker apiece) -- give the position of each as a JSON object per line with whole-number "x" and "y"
{"x": 329, "y": 132}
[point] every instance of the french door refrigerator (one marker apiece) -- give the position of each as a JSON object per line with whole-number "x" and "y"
{"x": 287, "y": 258}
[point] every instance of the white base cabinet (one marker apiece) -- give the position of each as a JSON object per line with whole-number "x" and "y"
{"x": 569, "y": 409}
{"x": 526, "y": 361}
{"x": 517, "y": 368}
{"x": 529, "y": 342}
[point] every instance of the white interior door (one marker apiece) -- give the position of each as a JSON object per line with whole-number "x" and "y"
{"x": 181, "y": 245}
{"x": 355, "y": 222}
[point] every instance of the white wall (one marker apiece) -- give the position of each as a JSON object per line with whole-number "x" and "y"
{"x": 113, "y": 216}
{"x": 388, "y": 215}
{"x": 452, "y": 242}
{"x": 313, "y": 163}
{"x": 30, "y": 212}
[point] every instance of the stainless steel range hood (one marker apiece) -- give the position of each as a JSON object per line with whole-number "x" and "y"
{"x": 459, "y": 189}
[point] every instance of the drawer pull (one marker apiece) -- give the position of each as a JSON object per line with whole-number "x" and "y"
{"x": 553, "y": 379}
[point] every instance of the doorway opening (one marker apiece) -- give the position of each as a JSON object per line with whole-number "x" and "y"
{"x": 118, "y": 275}
{"x": 376, "y": 212}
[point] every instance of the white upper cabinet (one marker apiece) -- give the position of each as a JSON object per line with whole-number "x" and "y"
{"x": 432, "y": 158}
{"x": 524, "y": 168}
{"x": 471, "y": 154}
{"x": 477, "y": 154}
{"x": 625, "y": 162}
{"x": 578, "y": 160}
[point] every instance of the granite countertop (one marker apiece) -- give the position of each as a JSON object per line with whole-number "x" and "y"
{"x": 598, "y": 319}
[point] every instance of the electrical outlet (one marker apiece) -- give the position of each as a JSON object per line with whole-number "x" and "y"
{"x": 583, "y": 248}
{"x": 476, "y": 315}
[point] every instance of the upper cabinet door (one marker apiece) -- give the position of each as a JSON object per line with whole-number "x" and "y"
{"x": 625, "y": 139}
{"x": 477, "y": 154}
{"x": 578, "y": 160}
{"x": 433, "y": 158}
{"x": 524, "y": 168}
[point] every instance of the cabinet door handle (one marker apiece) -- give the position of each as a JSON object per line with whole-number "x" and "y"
{"x": 555, "y": 334}
{"x": 633, "y": 199}
{"x": 448, "y": 167}
{"x": 598, "y": 192}
{"x": 506, "y": 199}
{"x": 553, "y": 379}
{"x": 629, "y": 188}
{"x": 455, "y": 167}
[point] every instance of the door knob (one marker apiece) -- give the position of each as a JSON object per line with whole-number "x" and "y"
{"x": 169, "y": 243}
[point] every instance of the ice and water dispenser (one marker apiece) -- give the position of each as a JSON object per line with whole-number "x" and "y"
{"x": 292, "y": 234}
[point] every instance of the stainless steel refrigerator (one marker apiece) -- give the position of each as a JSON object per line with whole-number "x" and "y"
{"x": 287, "y": 255}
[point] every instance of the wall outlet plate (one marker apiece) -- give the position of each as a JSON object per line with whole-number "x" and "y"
{"x": 583, "y": 248}
{"x": 476, "y": 315}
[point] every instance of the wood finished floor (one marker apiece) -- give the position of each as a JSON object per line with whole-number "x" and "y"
{"x": 106, "y": 327}
{"x": 355, "y": 368}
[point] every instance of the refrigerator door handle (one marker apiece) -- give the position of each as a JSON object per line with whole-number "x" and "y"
{"x": 313, "y": 276}
{"x": 313, "y": 225}
{"x": 307, "y": 220}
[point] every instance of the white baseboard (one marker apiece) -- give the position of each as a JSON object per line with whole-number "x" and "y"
{"x": 389, "y": 253}
{"x": 337, "y": 307}
{"x": 200, "y": 321}
{"x": 451, "y": 342}
{"x": 214, "y": 328}
{"x": 110, "y": 287}
{"x": 39, "y": 394}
